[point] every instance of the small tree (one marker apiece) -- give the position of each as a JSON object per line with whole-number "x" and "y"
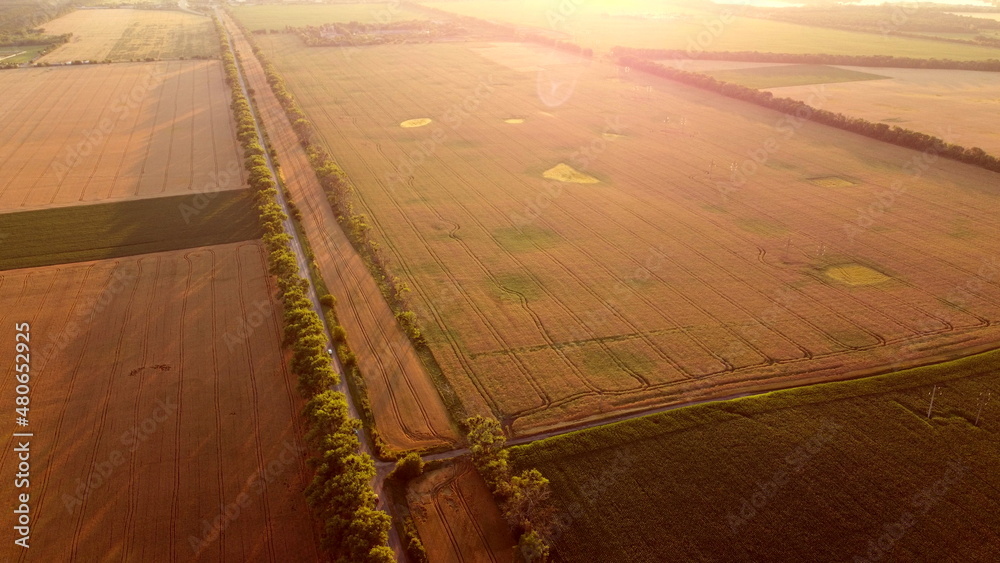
{"x": 533, "y": 548}
{"x": 528, "y": 507}
{"x": 486, "y": 442}
{"x": 408, "y": 467}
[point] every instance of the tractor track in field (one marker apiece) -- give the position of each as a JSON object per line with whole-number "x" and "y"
{"x": 133, "y": 489}
{"x": 255, "y": 418}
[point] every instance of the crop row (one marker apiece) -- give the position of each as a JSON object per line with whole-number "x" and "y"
{"x": 341, "y": 493}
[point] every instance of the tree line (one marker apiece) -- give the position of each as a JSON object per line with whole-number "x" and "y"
{"x": 901, "y": 17}
{"x": 524, "y": 498}
{"x": 879, "y": 131}
{"x": 886, "y": 61}
{"x": 340, "y": 494}
{"x": 509, "y": 31}
{"x": 339, "y": 192}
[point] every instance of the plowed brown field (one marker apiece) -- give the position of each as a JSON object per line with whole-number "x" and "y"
{"x": 93, "y": 133}
{"x": 548, "y": 303}
{"x": 409, "y": 412}
{"x": 162, "y": 409}
{"x": 457, "y": 519}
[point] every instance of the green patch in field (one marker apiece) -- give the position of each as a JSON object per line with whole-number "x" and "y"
{"x": 761, "y": 227}
{"x": 962, "y": 229}
{"x": 814, "y": 473}
{"x": 601, "y": 362}
{"x": 20, "y": 55}
{"x": 526, "y": 239}
{"x": 126, "y": 228}
{"x": 791, "y": 75}
{"x": 513, "y": 285}
{"x": 832, "y": 182}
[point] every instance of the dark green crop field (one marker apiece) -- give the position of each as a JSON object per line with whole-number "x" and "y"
{"x": 111, "y": 230}
{"x": 852, "y": 471}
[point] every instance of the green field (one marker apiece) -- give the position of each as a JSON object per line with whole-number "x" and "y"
{"x": 820, "y": 473}
{"x": 602, "y": 25}
{"x": 21, "y": 54}
{"x": 110, "y": 230}
{"x": 791, "y": 75}
{"x": 277, "y": 17}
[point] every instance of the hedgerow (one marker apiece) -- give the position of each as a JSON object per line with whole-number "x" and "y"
{"x": 340, "y": 493}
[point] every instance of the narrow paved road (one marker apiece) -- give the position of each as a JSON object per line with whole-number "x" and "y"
{"x": 382, "y": 468}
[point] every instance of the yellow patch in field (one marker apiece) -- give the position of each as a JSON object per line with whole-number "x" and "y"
{"x": 566, "y": 173}
{"x": 856, "y": 274}
{"x": 612, "y": 136}
{"x": 411, "y": 123}
{"x": 832, "y": 182}
{"x": 514, "y": 120}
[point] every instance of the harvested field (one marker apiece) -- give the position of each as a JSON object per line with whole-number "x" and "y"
{"x": 456, "y": 517}
{"x": 603, "y": 24}
{"x": 708, "y": 65}
{"x": 276, "y": 17}
{"x": 160, "y": 400}
{"x": 848, "y": 471}
{"x": 791, "y": 75}
{"x": 132, "y": 35}
{"x": 989, "y": 16}
{"x": 97, "y": 133}
{"x": 409, "y": 412}
{"x": 953, "y": 104}
{"x": 671, "y": 280}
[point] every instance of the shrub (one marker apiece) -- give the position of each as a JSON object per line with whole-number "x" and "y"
{"x": 408, "y": 468}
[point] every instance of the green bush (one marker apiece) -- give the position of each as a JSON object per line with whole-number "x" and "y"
{"x": 408, "y": 468}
